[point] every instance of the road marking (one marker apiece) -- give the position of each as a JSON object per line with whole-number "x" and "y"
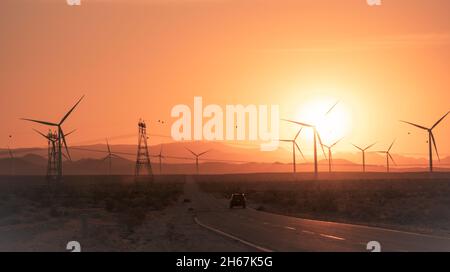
{"x": 308, "y": 232}
{"x": 260, "y": 248}
{"x": 332, "y": 237}
{"x": 289, "y": 228}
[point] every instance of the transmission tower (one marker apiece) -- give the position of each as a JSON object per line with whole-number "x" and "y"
{"x": 143, "y": 158}
{"x": 53, "y": 155}
{"x": 53, "y": 149}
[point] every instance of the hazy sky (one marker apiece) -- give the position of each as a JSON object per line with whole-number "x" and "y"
{"x": 137, "y": 58}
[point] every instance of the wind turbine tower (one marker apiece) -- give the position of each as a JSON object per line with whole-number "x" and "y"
{"x": 388, "y": 156}
{"x": 109, "y": 157}
{"x": 11, "y": 158}
{"x": 52, "y": 153}
{"x": 160, "y": 157}
{"x": 196, "y": 158}
{"x": 363, "y": 150}
{"x": 294, "y": 146}
{"x": 330, "y": 159}
{"x": 431, "y": 140}
{"x": 60, "y": 139}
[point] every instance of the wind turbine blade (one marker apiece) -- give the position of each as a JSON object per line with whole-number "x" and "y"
{"x": 40, "y": 122}
{"x": 358, "y": 147}
{"x": 107, "y": 146}
{"x": 332, "y": 107}
{"x": 287, "y": 141}
{"x": 105, "y": 158}
{"x": 43, "y": 135}
{"x": 61, "y": 133}
{"x": 204, "y": 152}
{"x": 335, "y": 143}
{"x": 392, "y": 159}
{"x": 191, "y": 151}
{"x": 321, "y": 144}
{"x": 117, "y": 156}
{"x": 298, "y": 133}
{"x": 435, "y": 147}
{"x": 442, "y": 118}
{"x": 369, "y": 146}
{"x": 299, "y": 150}
{"x": 412, "y": 124}
{"x": 70, "y": 111}
{"x": 391, "y": 145}
{"x": 64, "y": 155}
{"x": 67, "y": 134}
{"x": 298, "y": 123}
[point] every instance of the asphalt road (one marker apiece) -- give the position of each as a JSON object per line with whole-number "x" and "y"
{"x": 266, "y": 231}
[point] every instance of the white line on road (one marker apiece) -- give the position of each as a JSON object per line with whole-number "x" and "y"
{"x": 308, "y": 232}
{"x": 332, "y": 237}
{"x": 289, "y": 228}
{"x": 260, "y": 248}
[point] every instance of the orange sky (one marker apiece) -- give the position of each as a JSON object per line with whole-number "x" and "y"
{"x": 137, "y": 58}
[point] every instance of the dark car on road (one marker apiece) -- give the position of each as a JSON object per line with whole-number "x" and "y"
{"x": 238, "y": 200}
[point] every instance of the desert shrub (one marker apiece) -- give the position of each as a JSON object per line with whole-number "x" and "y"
{"x": 132, "y": 218}
{"x": 55, "y": 212}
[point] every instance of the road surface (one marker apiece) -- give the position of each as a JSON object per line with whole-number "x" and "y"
{"x": 271, "y": 232}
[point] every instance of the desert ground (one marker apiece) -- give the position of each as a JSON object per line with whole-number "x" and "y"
{"x": 405, "y": 201}
{"x": 172, "y": 213}
{"x": 103, "y": 214}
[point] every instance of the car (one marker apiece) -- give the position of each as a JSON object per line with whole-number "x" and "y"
{"x": 238, "y": 200}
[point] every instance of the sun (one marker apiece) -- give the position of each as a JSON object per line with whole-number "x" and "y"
{"x": 332, "y": 125}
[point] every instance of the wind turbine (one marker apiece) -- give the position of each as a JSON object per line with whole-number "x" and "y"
{"x": 52, "y": 137}
{"x": 430, "y": 139}
{"x": 60, "y": 139}
{"x": 388, "y": 156}
{"x": 196, "y": 156}
{"x": 11, "y": 157}
{"x": 294, "y": 145}
{"x": 363, "y": 150}
{"x": 160, "y": 156}
{"x": 316, "y": 136}
{"x": 110, "y": 156}
{"x": 329, "y": 153}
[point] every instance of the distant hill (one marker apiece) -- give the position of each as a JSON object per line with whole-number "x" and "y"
{"x": 222, "y": 158}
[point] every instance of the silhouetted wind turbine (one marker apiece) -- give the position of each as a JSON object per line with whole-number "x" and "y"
{"x": 363, "y": 150}
{"x": 11, "y": 157}
{"x": 52, "y": 165}
{"x": 388, "y": 156}
{"x": 196, "y": 156}
{"x": 110, "y": 156}
{"x": 61, "y": 138}
{"x": 294, "y": 145}
{"x": 329, "y": 153}
{"x": 430, "y": 139}
{"x": 53, "y": 138}
{"x": 160, "y": 156}
{"x": 316, "y": 136}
